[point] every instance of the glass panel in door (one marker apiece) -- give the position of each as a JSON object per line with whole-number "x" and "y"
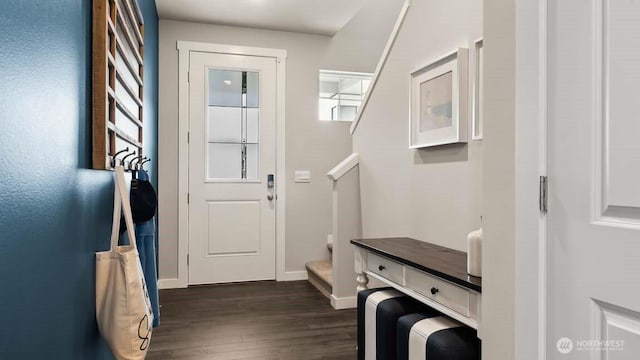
{"x": 233, "y": 126}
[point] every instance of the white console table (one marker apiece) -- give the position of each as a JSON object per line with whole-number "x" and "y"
{"x": 432, "y": 274}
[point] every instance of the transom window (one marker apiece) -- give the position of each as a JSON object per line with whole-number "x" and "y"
{"x": 341, "y": 94}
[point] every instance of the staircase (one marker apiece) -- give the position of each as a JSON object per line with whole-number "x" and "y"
{"x": 320, "y": 274}
{"x": 335, "y": 278}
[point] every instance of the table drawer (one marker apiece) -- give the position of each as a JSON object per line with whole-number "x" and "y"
{"x": 386, "y": 268}
{"x": 452, "y": 296}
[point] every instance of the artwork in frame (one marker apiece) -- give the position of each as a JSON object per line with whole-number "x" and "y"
{"x": 439, "y": 101}
{"x": 476, "y": 127}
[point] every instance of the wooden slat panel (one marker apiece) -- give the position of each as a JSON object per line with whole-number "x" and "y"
{"x": 132, "y": 44}
{"x": 138, "y": 13}
{"x": 111, "y": 68}
{"x": 111, "y": 73}
{"x": 112, "y": 145}
{"x": 99, "y": 88}
{"x": 112, "y": 109}
{"x": 121, "y": 50}
{"x": 124, "y": 136}
{"x": 127, "y": 113}
{"x": 137, "y": 78}
{"x": 133, "y": 19}
{"x": 112, "y": 93}
{"x": 126, "y": 86}
{"x": 124, "y": 123}
{"x": 130, "y": 66}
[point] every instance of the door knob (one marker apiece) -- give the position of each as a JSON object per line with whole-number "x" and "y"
{"x": 381, "y": 267}
{"x": 270, "y": 197}
{"x": 434, "y": 290}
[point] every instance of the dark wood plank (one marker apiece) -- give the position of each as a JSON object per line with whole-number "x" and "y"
{"x": 99, "y": 85}
{"x": 259, "y": 320}
{"x": 443, "y": 262}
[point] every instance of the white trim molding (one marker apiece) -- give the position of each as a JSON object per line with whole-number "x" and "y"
{"x": 293, "y": 276}
{"x": 184, "y": 49}
{"x": 343, "y": 167}
{"x": 382, "y": 62}
{"x": 342, "y": 303}
{"x": 171, "y": 284}
{"x": 531, "y": 163}
{"x": 474, "y": 79}
{"x": 542, "y": 170}
{"x": 279, "y": 54}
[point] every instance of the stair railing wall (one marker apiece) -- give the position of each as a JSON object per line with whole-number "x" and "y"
{"x": 347, "y": 225}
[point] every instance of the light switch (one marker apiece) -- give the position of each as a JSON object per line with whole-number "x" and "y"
{"x": 302, "y": 176}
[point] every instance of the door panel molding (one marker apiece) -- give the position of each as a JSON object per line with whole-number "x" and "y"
{"x": 220, "y": 214}
{"x": 610, "y": 323}
{"x": 184, "y": 49}
{"x": 620, "y": 208}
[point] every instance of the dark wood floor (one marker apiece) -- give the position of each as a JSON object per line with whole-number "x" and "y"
{"x": 260, "y": 320}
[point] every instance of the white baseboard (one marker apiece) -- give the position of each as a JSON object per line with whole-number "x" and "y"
{"x": 349, "y": 302}
{"x": 179, "y": 284}
{"x": 171, "y": 284}
{"x": 293, "y": 276}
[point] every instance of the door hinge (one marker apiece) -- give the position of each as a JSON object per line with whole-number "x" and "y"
{"x": 188, "y": 136}
{"x": 188, "y": 76}
{"x": 187, "y": 198}
{"x": 544, "y": 188}
{"x": 187, "y": 259}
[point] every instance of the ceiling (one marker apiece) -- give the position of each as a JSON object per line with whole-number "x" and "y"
{"x": 324, "y": 17}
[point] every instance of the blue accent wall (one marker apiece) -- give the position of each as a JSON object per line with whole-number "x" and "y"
{"x": 55, "y": 212}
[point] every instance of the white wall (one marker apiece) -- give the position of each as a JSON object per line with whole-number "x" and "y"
{"x": 310, "y": 144}
{"x": 360, "y": 42}
{"x": 431, "y": 194}
{"x": 438, "y": 194}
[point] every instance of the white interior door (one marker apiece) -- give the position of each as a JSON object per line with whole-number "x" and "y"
{"x": 232, "y": 157}
{"x": 594, "y": 180}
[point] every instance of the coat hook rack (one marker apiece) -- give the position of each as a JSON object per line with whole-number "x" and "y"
{"x": 139, "y": 164}
{"x": 126, "y": 156}
{"x": 134, "y": 162}
{"x": 144, "y": 162}
{"x": 114, "y": 156}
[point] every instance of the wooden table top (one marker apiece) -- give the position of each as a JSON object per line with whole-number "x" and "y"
{"x": 440, "y": 261}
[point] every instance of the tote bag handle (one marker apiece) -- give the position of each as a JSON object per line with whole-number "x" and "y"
{"x": 121, "y": 201}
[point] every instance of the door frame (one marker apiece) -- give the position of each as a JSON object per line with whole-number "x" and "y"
{"x": 531, "y": 148}
{"x": 184, "y": 49}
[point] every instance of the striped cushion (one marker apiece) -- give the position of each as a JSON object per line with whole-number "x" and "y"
{"x": 378, "y": 312}
{"x": 429, "y": 337}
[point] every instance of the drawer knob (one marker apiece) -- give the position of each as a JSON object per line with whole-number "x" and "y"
{"x": 434, "y": 290}
{"x": 381, "y": 267}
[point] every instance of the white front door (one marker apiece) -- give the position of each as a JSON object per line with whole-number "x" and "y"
{"x": 232, "y": 163}
{"x": 593, "y": 307}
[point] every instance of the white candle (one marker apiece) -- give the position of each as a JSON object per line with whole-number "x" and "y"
{"x": 474, "y": 253}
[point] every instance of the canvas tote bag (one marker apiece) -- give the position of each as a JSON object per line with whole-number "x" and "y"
{"x": 123, "y": 309}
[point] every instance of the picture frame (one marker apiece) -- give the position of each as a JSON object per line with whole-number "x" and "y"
{"x": 439, "y": 101}
{"x": 476, "y": 123}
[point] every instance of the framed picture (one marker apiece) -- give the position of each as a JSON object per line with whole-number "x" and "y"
{"x": 476, "y": 124}
{"x": 439, "y": 95}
